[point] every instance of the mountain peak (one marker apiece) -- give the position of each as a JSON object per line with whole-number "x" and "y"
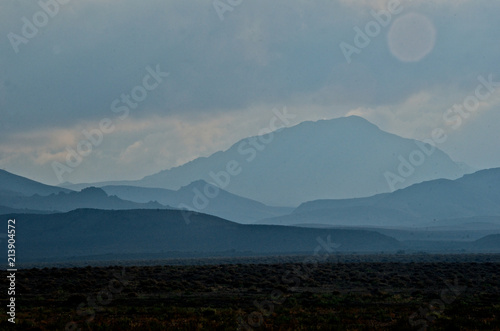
{"x": 338, "y": 158}
{"x": 94, "y": 192}
{"x": 334, "y": 128}
{"x": 355, "y": 119}
{"x": 351, "y": 120}
{"x": 200, "y": 183}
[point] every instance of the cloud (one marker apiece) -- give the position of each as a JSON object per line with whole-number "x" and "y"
{"x": 262, "y": 55}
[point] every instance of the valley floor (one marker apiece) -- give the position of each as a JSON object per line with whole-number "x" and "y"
{"x": 444, "y": 294}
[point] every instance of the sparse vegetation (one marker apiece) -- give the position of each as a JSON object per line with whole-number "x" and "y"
{"x": 331, "y": 296}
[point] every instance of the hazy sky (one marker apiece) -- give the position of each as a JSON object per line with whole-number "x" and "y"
{"x": 90, "y": 65}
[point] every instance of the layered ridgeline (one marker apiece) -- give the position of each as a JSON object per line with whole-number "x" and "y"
{"x": 22, "y": 195}
{"x": 201, "y": 197}
{"x": 14, "y": 185}
{"x": 328, "y": 159}
{"x": 90, "y": 233}
{"x": 91, "y": 197}
{"x": 473, "y": 200}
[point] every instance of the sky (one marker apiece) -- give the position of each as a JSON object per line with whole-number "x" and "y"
{"x": 101, "y": 90}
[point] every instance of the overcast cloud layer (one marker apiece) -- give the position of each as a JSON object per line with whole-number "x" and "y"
{"x": 225, "y": 76}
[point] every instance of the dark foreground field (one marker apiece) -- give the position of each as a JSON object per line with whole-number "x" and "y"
{"x": 337, "y": 295}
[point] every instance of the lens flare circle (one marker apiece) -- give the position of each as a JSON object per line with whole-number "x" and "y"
{"x": 411, "y": 37}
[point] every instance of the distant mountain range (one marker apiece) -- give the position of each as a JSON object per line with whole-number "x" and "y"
{"x": 474, "y": 198}
{"x": 193, "y": 197}
{"x": 461, "y": 215}
{"x": 329, "y": 159}
{"x": 90, "y": 232}
{"x": 437, "y": 208}
{"x": 19, "y": 194}
{"x": 62, "y": 201}
{"x": 15, "y": 185}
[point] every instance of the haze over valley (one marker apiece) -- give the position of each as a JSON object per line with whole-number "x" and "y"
{"x": 291, "y": 189}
